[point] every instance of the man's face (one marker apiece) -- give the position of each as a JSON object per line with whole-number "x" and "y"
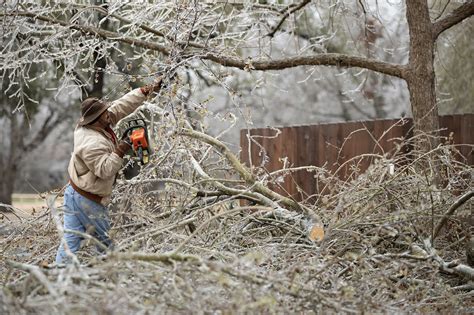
{"x": 104, "y": 119}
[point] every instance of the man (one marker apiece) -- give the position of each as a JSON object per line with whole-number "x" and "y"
{"x": 95, "y": 162}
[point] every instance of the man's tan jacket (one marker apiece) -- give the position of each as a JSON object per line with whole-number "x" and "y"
{"x": 94, "y": 164}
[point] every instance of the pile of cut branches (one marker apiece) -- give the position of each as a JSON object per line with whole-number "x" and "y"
{"x": 199, "y": 231}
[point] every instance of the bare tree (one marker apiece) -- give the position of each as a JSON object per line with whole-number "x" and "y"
{"x": 31, "y": 107}
{"x": 24, "y": 131}
{"x": 188, "y": 223}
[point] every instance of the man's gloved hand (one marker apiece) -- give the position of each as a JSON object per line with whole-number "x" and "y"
{"x": 122, "y": 148}
{"x": 154, "y": 87}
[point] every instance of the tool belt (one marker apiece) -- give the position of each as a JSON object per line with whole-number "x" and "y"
{"x": 88, "y": 195}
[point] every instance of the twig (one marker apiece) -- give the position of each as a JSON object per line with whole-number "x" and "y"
{"x": 205, "y": 223}
{"x": 286, "y": 15}
{"x": 459, "y": 202}
{"x": 165, "y": 258}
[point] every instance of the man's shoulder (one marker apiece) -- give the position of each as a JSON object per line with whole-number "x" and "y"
{"x": 87, "y": 136}
{"x": 85, "y": 132}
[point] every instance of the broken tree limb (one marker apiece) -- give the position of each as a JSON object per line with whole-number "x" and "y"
{"x": 305, "y": 218}
{"x": 11, "y": 209}
{"x": 452, "y": 267}
{"x": 245, "y": 173}
{"x": 229, "y": 190}
{"x": 311, "y": 227}
{"x": 309, "y": 224}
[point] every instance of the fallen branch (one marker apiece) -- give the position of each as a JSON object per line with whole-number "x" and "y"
{"x": 459, "y": 202}
{"x": 245, "y": 173}
{"x": 452, "y": 267}
{"x": 36, "y": 272}
{"x": 167, "y": 258}
{"x": 309, "y": 223}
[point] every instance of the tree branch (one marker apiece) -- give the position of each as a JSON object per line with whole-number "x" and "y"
{"x": 458, "y": 15}
{"x": 245, "y": 173}
{"x": 330, "y": 59}
{"x": 142, "y": 26}
{"x": 459, "y": 202}
{"x": 82, "y": 82}
{"x": 97, "y": 31}
{"x": 46, "y": 128}
{"x": 287, "y": 14}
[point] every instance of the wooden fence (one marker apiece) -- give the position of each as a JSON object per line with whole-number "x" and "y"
{"x": 335, "y": 147}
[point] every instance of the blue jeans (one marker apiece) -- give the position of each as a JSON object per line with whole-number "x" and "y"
{"x": 85, "y": 216}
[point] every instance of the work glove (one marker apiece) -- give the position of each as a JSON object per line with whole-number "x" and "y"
{"x": 122, "y": 148}
{"x": 154, "y": 87}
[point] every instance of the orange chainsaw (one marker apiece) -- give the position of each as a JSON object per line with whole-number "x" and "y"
{"x": 136, "y": 135}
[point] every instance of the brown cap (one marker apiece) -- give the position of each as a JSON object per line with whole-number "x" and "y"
{"x": 91, "y": 109}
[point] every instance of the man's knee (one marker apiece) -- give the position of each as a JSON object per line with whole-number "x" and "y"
{"x": 73, "y": 241}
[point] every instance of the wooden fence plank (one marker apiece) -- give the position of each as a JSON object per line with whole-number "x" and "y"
{"x": 331, "y": 145}
{"x": 467, "y": 137}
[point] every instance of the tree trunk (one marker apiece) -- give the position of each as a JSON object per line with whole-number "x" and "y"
{"x": 12, "y": 158}
{"x": 6, "y": 187}
{"x": 421, "y": 75}
{"x": 9, "y": 171}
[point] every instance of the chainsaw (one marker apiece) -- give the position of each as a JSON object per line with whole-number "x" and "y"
{"x": 136, "y": 134}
